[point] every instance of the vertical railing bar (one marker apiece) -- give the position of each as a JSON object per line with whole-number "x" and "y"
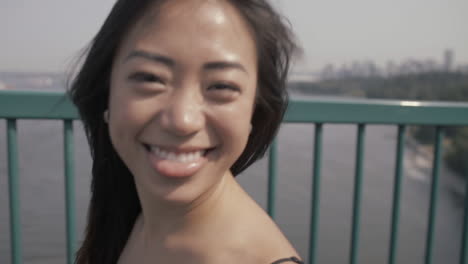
{"x": 13, "y": 187}
{"x": 397, "y": 194}
{"x": 272, "y": 178}
{"x": 434, "y": 194}
{"x": 69, "y": 189}
{"x": 315, "y": 203}
{"x": 464, "y": 242}
{"x": 357, "y": 194}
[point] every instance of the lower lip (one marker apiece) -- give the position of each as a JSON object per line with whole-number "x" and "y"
{"x": 175, "y": 169}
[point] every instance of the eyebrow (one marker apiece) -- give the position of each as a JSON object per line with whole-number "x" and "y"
{"x": 151, "y": 56}
{"x": 221, "y": 65}
{"x": 158, "y": 58}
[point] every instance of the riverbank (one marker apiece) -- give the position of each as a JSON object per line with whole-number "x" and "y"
{"x": 420, "y": 157}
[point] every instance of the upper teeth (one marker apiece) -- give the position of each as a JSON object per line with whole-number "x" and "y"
{"x": 180, "y": 157}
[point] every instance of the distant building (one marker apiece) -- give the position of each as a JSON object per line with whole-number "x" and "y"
{"x": 448, "y": 60}
{"x": 303, "y": 76}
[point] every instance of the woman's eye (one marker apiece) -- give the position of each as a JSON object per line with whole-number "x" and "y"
{"x": 223, "y": 92}
{"x": 145, "y": 77}
{"x": 224, "y": 87}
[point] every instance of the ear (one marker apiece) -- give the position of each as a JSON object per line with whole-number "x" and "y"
{"x": 106, "y": 116}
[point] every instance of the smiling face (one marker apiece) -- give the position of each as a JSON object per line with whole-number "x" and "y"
{"x": 182, "y": 95}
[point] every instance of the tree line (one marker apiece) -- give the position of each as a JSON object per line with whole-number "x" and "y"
{"x": 426, "y": 86}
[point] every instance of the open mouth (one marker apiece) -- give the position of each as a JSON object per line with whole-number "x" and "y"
{"x": 177, "y": 162}
{"x": 186, "y": 155}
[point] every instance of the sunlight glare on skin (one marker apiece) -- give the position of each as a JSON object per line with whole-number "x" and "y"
{"x": 219, "y": 18}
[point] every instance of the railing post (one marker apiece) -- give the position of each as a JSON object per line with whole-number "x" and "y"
{"x": 69, "y": 189}
{"x": 13, "y": 186}
{"x": 315, "y": 203}
{"x": 272, "y": 178}
{"x": 434, "y": 194}
{"x": 397, "y": 194}
{"x": 357, "y": 194}
{"x": 464, "y": 242}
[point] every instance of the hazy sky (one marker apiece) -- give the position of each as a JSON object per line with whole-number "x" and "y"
{"x": 45, "y": 35}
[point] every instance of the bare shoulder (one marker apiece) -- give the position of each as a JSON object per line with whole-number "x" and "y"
{"x": 269, "y": 244}
{"x": 253, "y": 236}
{"x": 256, "y": 251}
{"x": 258, "y": 244}
{"x": 258, "y": 239}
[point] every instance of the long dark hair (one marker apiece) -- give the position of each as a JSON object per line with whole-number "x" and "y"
{"x": 114, "y": 203}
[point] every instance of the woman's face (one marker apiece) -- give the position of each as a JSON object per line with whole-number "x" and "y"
{"x": 182, "y": 94}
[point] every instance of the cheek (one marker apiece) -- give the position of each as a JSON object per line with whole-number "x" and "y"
{"x": 127, "y": 110}
{"x": 126, "y": 120}
{"x": 233, "y": 127}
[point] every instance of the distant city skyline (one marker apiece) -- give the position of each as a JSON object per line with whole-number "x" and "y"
{"x": 46, "y": 35}
{"x": 368, "y": 68}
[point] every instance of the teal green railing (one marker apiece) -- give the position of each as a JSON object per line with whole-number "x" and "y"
{"x": 16, "y": 105}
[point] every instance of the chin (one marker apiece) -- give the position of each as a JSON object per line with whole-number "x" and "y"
{"x": 181, "y": 191}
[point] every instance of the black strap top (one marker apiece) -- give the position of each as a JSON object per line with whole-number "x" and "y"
{"x": 291, "y": 259}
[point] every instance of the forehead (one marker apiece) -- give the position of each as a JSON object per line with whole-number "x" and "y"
{"x": 211, "y": 27}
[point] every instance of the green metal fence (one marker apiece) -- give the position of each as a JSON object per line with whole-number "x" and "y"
{"x": 16, "y": 105}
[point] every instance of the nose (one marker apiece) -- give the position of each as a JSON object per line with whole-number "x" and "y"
{"x": 183, "y": 114}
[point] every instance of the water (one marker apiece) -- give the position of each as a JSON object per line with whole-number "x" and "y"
{"x": 42, "y": 194}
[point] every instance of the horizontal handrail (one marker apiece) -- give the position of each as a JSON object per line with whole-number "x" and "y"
{"x": 371, "y": 111}
{"x": 36, "y": 105}
{"x": 57, "y": 105}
